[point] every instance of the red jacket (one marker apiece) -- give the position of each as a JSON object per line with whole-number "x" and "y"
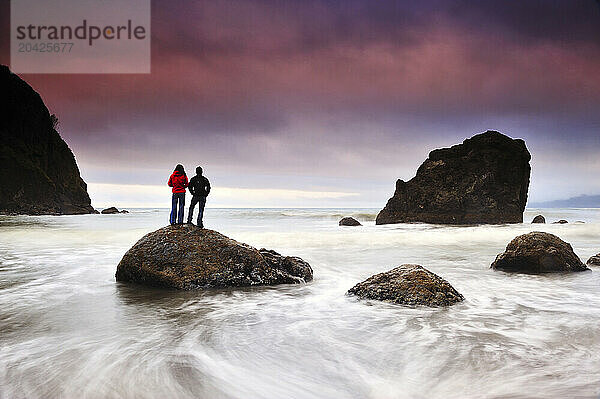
{"x": 178, "y": 181}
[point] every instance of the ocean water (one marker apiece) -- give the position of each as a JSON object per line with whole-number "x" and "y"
{"x": 68, "y": 330}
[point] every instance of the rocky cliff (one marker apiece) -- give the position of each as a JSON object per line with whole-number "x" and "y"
{"x": 38, "y": 173}
{"x": 483, "y": 180}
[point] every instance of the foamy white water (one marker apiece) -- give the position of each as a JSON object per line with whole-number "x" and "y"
{"x": 68, "y": 330}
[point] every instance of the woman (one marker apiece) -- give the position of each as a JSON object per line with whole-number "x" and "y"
{"x": 179, "y": 182}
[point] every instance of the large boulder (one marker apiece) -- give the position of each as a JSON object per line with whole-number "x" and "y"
{"x": 538, "y": 252}
{"x": 408, "y": 285}
{"x": 594, "y": 260}
{"x": 38, "y": 173}
{"x": 539, "y": 219}
{"x": 483, "y": 180}
{"x": 349, "y": 221}
{"x": 187, "y": 257}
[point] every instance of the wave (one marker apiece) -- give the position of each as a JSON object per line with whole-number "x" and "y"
{"x": 298, "y": 213}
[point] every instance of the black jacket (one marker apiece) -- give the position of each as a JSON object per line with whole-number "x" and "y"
{"x": 199, "y": 186}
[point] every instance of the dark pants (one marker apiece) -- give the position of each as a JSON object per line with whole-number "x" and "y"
{"x": 201, "y": 201}
{"x": 177, "y": 208}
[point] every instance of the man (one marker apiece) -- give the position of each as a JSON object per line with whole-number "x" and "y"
{"x": 199, "y": 187}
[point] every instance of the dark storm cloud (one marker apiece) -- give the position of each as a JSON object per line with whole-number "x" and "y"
{"x": 265, "y": 28}
{"x": 234, "y": 27}
{"x": 556, "y": 22}
{"x": 245, "y": 66}
{"x": 388, "y": 57}
{"x": 331, "y": 88}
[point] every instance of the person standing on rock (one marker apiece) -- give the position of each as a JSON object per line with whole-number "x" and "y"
{"x": 179, "y": 182}
{"x": 199, "y": 188}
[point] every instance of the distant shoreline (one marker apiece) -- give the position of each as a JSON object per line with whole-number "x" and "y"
{"x": 582, "y": 201}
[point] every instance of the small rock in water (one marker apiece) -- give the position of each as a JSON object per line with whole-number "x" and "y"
{"x": 187, "y": 257}
{"x": 594, "y": 260}
{"x": 113, "y": 210}
{"x": 408, "y": 285}
{"x": 561, "y": 221}
{"x": 539, "y": 219}
{"x": 349, "y": 221}
{"x": 538, "y": 252}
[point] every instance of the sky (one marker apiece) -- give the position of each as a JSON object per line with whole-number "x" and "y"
{"x": 326, "y": 103}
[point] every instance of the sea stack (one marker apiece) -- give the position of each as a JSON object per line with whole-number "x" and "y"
{"x": 484, "y": 180}
{"x": 38, "y": 172}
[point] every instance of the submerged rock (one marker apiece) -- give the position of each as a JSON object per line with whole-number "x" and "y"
{"x": 187, "y": 257}
{"x": 539, "y": 219}
{"x": 408, "y": 285}
{"x": 349, "y": 221}
{"x": 38, "y": 172}
{"x": 594, "y": 260}
{"x": 561, "y": 221}
{"x": 538, "y": 252}
{"x": 483, "y": 180}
